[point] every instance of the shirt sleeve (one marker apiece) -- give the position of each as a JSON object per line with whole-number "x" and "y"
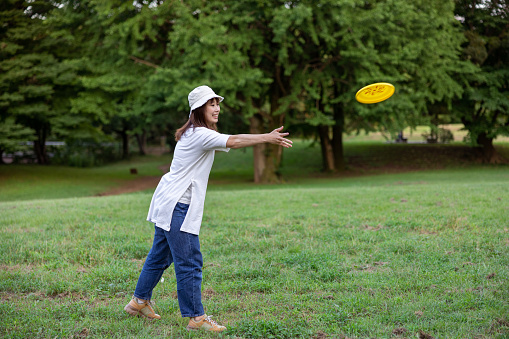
{"x": 213, "y": 141}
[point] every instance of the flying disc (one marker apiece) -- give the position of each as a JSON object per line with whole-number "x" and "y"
{"x": 374, "y": 93}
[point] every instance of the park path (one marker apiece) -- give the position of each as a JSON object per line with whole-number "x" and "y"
{"x": 138, "y": 184}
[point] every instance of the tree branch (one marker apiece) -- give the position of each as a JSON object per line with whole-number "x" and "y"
{"x": 141, "y": 61}
{"x": 279, "y": 80}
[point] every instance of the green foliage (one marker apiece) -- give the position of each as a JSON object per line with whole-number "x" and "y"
{"x": 86, "y": 153}
{"x": 413, "y": 45}
{"x": 28, "y": 69}
{"x": 441, "y": 135}
{"x": 38, "y": 77}
{"x": 484, "y": 107}
{"x": 13, "y": 136}
{"x": 77, "y": 70}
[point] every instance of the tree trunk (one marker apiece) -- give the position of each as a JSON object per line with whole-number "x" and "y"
{"x": 326, "y": 147}
{"x": 142, "y": 142}
{"x": 125, "y": 143}
{"x": 270, "y": 174}
{"x": 266, "y": 157}
{"x": 488, "y": 153}
{"x": 256, "y": 127}
{"x": 170, "y": 139}
{"x": 337, "y": 135}
{"x": 276, "y": 121}
{"x": 40, "y": 148}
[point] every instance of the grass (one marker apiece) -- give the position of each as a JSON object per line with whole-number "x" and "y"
{"x": 364, "y": 155}
{"x": 26, "y": 182}
{"x": 416, "y": 134}
{"x": 385, "y": 254}
{"x": 359, "y": 258}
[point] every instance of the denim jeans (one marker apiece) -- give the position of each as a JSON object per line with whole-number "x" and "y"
{"x": 183, "y": 250}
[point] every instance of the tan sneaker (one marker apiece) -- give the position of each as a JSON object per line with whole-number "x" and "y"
{"x": 144, "y": 309}
{"x": 206, "y": 324}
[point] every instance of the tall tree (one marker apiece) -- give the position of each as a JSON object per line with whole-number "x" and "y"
{"x": 223, "y": 44}
{"x": 484, "y": 110}
{"x": 414, "y": 45}
{"x": 111, "y": 79}
{"x": 29, "y": 72}
{"x": 39, "y": 78}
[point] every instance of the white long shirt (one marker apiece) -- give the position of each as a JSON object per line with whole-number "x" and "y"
{"x": 191, "y": 165}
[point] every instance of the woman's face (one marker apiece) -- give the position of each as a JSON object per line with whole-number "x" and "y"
{"x": 212, "y": 112}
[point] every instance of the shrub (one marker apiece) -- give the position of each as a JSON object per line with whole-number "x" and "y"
{"x": 86, "y": 154}
{"x": 445, "y": 135}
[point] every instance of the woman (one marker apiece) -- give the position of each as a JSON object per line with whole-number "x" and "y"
{"x": 177, "y": 209}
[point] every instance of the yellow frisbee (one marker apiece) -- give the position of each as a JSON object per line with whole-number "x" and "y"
{"x": 374, "y": 93}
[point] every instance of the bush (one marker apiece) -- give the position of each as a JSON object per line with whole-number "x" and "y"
{"x": 441, "y": 135}
{"x": 445, "y": 135}
{"x": 86, "y": 154}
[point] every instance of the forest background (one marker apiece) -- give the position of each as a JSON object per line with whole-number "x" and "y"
{"x": 96, "y": 74}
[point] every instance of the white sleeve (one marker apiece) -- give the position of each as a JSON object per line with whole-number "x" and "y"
{"x": 213, "y": 141}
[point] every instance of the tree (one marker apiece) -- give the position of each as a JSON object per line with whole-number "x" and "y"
{"x": 111, "y": 82}
{"x": 414, "y": 45}
{"x": 220, "y": 44}
{"x": 308, "y": 59}
{"x": 251, "y": 52}
{"x": 39, "y": 76}
{"x": 484, "y": 110}
{"x": 139, "y": 66}
{"x": 13, "y": 137}
{"x": 28, "y": 70}
{"x": 99, "y": 67}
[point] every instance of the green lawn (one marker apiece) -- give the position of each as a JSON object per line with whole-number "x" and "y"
{"x": 26, "y": 182}
{"x": 234, "y": 170}
{"x": 384, "y": 255}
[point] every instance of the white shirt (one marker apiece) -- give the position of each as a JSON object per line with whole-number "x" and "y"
{"x": 186, "y": 197}
{"x": 191, "y": 165}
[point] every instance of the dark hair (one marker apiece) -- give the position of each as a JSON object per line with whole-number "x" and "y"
{"x": 196, "y": 119}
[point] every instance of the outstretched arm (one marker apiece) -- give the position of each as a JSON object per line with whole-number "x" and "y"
{"x": 245, "y": 140}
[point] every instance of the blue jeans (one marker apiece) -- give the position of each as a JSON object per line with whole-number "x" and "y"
{"x": 183, "y": 250}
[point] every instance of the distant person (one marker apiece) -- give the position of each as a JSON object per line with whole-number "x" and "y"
{"x": 177, "y": 209}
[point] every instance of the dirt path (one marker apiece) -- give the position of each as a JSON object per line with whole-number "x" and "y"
{"x": 138, "y": 184}
{"x": 135, "y": 185}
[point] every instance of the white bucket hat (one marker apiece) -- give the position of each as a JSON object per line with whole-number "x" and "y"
{"x": 199, "y": 97}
